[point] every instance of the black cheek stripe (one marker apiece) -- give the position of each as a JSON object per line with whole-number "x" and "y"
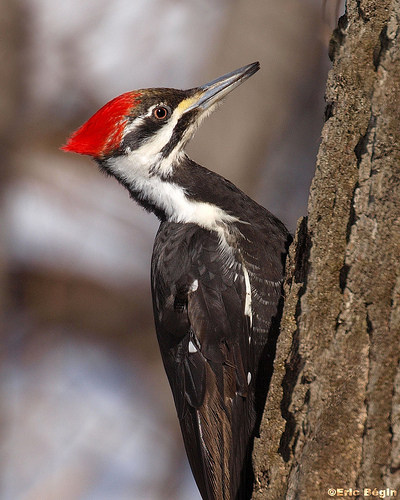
{"x": 180, "y": 128}
{"x": 142, "y": 134}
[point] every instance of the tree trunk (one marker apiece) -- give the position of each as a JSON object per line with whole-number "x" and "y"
{"x": 332, "y": 417}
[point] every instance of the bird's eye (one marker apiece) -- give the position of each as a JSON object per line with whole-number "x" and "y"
{"x": 160, "y": 112}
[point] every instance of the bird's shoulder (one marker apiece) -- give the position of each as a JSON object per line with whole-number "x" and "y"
{"x": 199, "y": 294}
{"x": 183, "y": 253}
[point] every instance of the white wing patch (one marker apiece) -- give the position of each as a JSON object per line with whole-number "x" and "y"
{"x": 192, "y": 347}
{"x": 194, "y": 286}
{"x": 247, "y": 304}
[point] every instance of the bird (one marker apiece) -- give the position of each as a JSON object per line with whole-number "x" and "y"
{"x": 217, "y": 270}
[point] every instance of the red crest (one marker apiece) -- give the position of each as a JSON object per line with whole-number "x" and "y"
{"x": 102, "y": 133}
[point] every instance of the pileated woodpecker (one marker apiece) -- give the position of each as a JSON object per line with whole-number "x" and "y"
{"x": 217, "y": 270}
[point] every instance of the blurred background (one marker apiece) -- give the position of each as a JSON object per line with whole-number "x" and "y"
{"x": 85, "y": 409}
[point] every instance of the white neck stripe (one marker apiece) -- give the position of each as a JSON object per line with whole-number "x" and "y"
{"x": 167, "y": 196}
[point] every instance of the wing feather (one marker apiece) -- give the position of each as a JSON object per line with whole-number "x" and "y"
{"x": 205, "y": 340}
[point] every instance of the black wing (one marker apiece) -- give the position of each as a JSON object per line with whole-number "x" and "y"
{"x": 205, "y": 337}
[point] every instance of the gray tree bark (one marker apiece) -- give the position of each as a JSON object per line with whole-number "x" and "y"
{"x": 332, "y": 417}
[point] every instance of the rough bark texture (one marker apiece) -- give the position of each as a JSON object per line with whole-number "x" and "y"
{"x": 332, "y": 418}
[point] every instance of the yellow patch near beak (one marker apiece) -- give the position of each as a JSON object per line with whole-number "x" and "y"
{"x": 189, "y": 102}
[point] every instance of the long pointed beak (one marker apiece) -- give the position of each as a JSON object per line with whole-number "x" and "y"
{"x": 212, "y": 92}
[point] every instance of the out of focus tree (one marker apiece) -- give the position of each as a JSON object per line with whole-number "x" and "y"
{"x": 10, "y": 44}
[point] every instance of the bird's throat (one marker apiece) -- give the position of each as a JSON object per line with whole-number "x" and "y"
{"x": 166, "y": 198}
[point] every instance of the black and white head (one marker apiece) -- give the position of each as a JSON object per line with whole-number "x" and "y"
{"x": 149, "y": 128}
{"x": 140, "y": 136}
